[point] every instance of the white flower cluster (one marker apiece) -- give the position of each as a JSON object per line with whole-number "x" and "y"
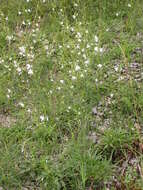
{"x": 22, "y": 51}
{"x": 29, "y": 69}
{"x": 9, "y": 38}
{"x": 96, "y": 48}
{"x": 21, "y": 104}
{"x": 1, "y": 61}
{"x": 44, "y": 118}
{"x": 8, "y": 93}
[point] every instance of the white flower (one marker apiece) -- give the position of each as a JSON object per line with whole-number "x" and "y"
{"x": 74, "y": 78}
{"x": 111, "y": 95}
{"x": 117, "y": 14}
{"x": 58, "y": 88}
{"x": 77, "y": 68}
{"x": 42, "y": 118}
{"x": 47, "y": 118}
{"x": 78, "y": 46}
{"x": 51, "y": 91}
{"x": 82, "y": 75}
{"x": 29, "y": 110}
{"x": 79, "y": 40}
{"x": 74, "y": 17}
{"x": 9, "y": 38}
{"x": 61, "y": 22}
{"x": 88, "y": 46}
{"x": 72, "y": 29}
{"x": 29, "y": 69}
{"x": 101, "y": 50}
{"x": 22, "y": 50}
{"x": 116, "y": 68}
{"x": 62, "y": 81}
{"x": 46, "y": 47}
{"x": 8, "y": 96}
{"x": 1, "y": 61}
{"x": 86, "y": 62}
{"x": 96, "y": 38}
{"x": 15, "y": 63}
{"x": 34, "y": 41}
{"x": 30, "y": 72}
{"x": 9, "y": 91}
{"x": 23, "y": 23}
{"x": 96, "y": 49}
{"x": 19, "y": 12}
{"x": 78, "y": 35}
{"x": 21, "y": 104}
{"x": 29, "y": 10}
{"x": 129, "y": 5}
{"x": 31, "y": 56}
{"x": 29, "y": 23}
{"x": 84, "y": 56}
{"x": 99, "y": 65}
{"x": 19, "y": 70}
{"x": 28, "y": 66}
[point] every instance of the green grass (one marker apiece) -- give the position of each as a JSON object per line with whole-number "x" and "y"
{"x": 58, "y": 61}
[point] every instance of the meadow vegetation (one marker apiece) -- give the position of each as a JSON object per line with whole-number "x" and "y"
{"x": 71, "y": 94}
